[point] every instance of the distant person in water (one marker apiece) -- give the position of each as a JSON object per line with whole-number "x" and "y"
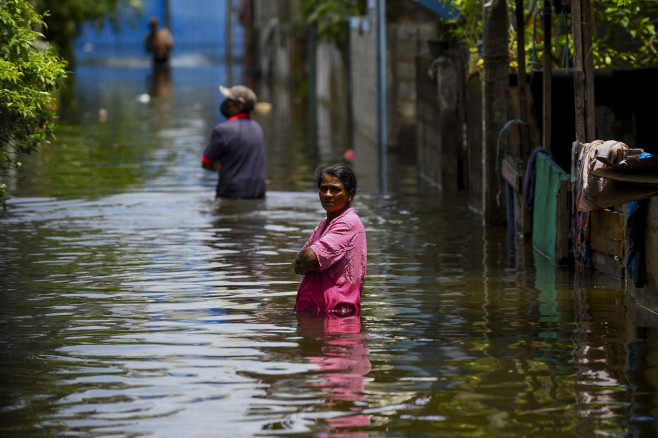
{"x": 159, "y": 42}
{"x": 334, "y": 259}
{"x": 237, "y": 148}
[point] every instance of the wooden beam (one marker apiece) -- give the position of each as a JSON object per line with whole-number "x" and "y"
{"x": 548, "y": 78}
{"x": 588, "y": 66}
{"x": 562, "y": 238}
{"x": 495, "y": 88}
{"x": 583, "y": 75}
{"x": 512, "y": 175}
{"x": 607, "y": 232}
{"x": 524, "y": 149}
{"x": 229, "y": 42}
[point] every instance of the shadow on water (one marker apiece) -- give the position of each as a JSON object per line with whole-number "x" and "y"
{"x": 134, "y": 304}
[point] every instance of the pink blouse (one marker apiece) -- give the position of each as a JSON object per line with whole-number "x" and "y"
{"x": 342, "y": 254}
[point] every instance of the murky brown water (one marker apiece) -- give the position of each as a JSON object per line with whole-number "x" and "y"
{"x": 134, "y": 305}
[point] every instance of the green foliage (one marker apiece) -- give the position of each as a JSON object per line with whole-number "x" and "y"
{"x": 65, "y": 18}
{"x": 626, "y": 37}
{"x": 29, "y": 74}
{"x": 624, "y": 34}
{"x": 468, "y": 26}
{"x": 331, "y": 17}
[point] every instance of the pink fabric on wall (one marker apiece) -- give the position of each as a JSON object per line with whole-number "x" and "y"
{"x": 342, "y": 254}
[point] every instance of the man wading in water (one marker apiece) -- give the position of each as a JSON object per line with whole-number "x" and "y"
{"x": 159, "y": 42}
{"x": 236, "y": 148}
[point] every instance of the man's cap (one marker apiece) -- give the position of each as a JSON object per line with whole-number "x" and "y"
{"x": 241, "y": 94}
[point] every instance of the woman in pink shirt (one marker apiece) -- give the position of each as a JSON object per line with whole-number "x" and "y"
{"x": 334, "y": 259}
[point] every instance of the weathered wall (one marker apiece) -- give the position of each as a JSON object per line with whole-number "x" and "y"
{"x": 474, "y": 141}
{"x": 331, "y": 101}
{"x": 406, "y": 39}
{"x": 408, "y": 28}
{"x": 427, "y": 133}
{"x": 647, "y": 296}
{"x": 441, "y": 121}
{"x": 276, "y": 45}
{"x": 363, "y": 74}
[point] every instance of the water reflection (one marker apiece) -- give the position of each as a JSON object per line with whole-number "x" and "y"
{"x": 337, "y": 347}
{"x": 240, "y": 238}
{"x": 642, "y": 370}
{"x": 169, "y": 311}
{"x": 160, "y": 84}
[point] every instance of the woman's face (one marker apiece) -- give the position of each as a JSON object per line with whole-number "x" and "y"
{"x": 333, "y": 196}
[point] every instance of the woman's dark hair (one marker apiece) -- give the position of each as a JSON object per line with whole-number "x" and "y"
{"x": 344, "y": 173}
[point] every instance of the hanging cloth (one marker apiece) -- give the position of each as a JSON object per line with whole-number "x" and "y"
{"x": 530, "y": 176}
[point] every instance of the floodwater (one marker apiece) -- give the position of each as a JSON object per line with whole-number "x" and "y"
{"x": 133, "y": 304}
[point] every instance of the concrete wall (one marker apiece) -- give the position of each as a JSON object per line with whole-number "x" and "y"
{"x": 291, "y": 59}
{"x": 441, "y": 121}
{"x": 406, "y": 39}
{"x": 363, "y": 102}
{"x": 409, "y": 26}
{"x": 331, "y": 101}
{"x": 428, "y": 154}
{"x": 276, "y": 46}
{"x": 425, "y": 126}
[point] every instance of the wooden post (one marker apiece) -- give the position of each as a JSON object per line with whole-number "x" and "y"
{"x": 229, "y": 42}
{"x": 524, "y": 150}
{"x": 583, "y": 84}
{"x": 562, "y": 229}
{"x": 524, "y": 219}
{"x": 588, "y": 67}
{"x": 382, "y": 111}
{"x": 548, "y": 78}
{"x": 495, "y": 88}
{"x": 583, "y": 74}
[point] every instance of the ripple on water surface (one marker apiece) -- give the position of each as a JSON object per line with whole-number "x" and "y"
{"x": 169, "y": 314}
